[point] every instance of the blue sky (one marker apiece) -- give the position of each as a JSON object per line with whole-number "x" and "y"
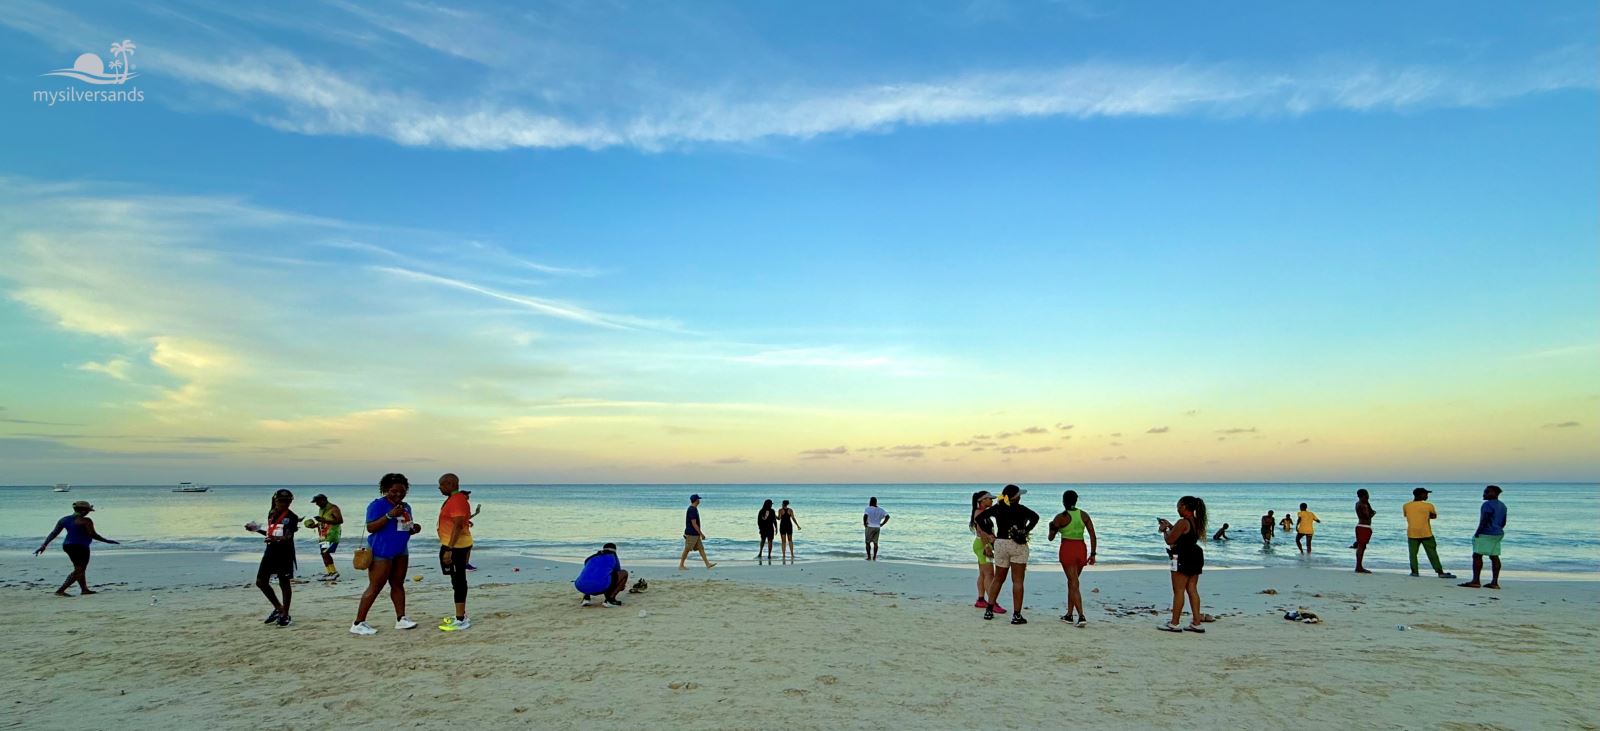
{"x": 717, "y": 242}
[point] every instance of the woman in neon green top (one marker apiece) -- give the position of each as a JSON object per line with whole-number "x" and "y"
{"x": 1071, "y": 524}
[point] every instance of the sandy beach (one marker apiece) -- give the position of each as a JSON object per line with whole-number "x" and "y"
{"x": 175, "y": 641}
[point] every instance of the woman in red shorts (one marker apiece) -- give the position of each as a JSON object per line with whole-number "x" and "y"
{"x": 1071, "y": 525}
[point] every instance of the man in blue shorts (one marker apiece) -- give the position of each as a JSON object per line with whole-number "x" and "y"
{"x": 1486, "y": 540}
{"x": 602, "y": 574}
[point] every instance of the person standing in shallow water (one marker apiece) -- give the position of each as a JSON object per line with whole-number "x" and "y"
{"x": 1364, "y": 513}
{"x": 766, "y": 526}
{"x": 787, "y": 524}
{"x": 1012, "y": 522}
{"x": 80, "y": 535}
{"x": 1268, "y": 525}
{"x": 1071, "y": 524}
{"x": 1307, "y": 528}
{"x": 873, "y": 520}
{"x": 1188, "y": 560}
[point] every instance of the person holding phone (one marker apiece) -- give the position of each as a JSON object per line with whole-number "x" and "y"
{"x": 278, "y": 557}
{"x": 80, "y": 535}
{"x": 389, "y": 530}
{"x": 1188, "y": 560}
{"x": 455, "y": 546}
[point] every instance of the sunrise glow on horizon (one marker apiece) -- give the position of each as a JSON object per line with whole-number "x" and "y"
{"x": 877, "y": 244}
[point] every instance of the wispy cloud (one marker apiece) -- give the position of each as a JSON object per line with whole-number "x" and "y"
{"x": 1238, "y": 430}
{"x": 1563, "y": 425}
{"x": 553, "y": 308}
{"x": 1158, "y": 430}
{"x": 1561, "y": 352}
{"x": 116, "y": 368}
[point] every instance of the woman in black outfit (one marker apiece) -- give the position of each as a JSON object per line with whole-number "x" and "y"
{"x": 1011, "y": 522}
{"x": 787, "y": 523}
{"x": 278, "y": 558}
{"x": 766, "y": 522}
{"x": 1188, "y": 559}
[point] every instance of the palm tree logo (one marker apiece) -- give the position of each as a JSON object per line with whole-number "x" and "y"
{"x": 123, "y": 62}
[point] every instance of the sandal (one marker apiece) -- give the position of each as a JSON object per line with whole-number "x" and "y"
{"x": 1169, "y": 627}
{"x": 1195, "y": 628}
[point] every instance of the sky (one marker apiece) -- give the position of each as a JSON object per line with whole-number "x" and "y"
{"x": 987, "y": 241}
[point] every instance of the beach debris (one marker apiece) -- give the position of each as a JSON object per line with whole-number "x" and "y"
{"x": 643, "y": 614}
{"x": 1095, "y": 590}
{"x": 1207, "y": 618}
{"x": 683, "y": 685}
{"x": 520, "y": 709}
{"x": 417, "y": 577}
{"x": 1402, "y": 627}
{"x": 1319, "y": 596}
{"x": 1269, "y": 591}
{"x": 1302, "y": 616}
{"x": 639, "y": 586}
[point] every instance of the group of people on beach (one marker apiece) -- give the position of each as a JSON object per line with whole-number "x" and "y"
{"x": 1001, "y": 527}
{"x": 1419, "y": 515}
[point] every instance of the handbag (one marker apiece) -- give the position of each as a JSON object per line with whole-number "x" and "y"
{"x": 363, "y": 559}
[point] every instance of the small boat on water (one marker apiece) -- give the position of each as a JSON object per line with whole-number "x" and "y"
{"x": 62, "y": 487}
{"x": 191, "y": 487}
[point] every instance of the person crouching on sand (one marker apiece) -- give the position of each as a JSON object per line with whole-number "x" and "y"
{"x": 1012, "y": 522}
{"x": 1188, "y": 559}
{"x": 389, "y": 530}
{"x": 1071, "y": 524}
{"x": 602, "y": 573}
{"x": 80, "y": 534}
{"x": 983, "y": 547}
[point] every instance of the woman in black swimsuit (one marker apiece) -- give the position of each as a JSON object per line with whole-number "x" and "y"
{"x": 766, "y": 520}
{"x": 786, "y": 525}
{"x": 1188, "y": 559}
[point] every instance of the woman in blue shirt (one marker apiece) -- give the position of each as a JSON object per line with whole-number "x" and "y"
{"x": 80, "y": 533}
{"x": 389, "y": 531}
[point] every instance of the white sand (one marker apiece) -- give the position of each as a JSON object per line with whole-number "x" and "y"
{"x": 830, "y": 645}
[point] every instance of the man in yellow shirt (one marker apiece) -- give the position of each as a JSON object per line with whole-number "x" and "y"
{"x": 1419, "y": 531}
{"x": 1305, "y": 527}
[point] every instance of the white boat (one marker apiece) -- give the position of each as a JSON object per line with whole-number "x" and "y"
{"x": 191, "y": 487}
{"x": 62, "y": 487}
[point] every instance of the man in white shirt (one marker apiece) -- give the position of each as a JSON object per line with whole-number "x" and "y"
{"x": 873, "y": 519}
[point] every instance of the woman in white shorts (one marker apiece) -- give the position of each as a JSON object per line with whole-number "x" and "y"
{"x": 1012, "y": 522}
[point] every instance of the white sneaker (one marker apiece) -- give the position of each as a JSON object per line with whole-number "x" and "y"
{"x": 363, "y": 629}
{"x": 586, "y": 603}
{"x": 404, "y": 623}
{"x": 451, "y": 624}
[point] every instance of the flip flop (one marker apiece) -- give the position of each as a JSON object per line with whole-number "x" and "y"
{"x": 1195, "y": 628}
{"x": 1169, "y": 628}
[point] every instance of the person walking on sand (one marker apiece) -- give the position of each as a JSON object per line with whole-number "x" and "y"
{"x": 602, "y": 573}
{"x": 1188, "y": 560}
{"x": 1268, "y": 525}
{"x": 389, "y": 531}
{"x": 766, "y": 526}
{"x": 694, "y": 537}
{"x": 330, "y": 525}
{"x": 873, "y": 520}
{"x": 1486, "y": 539}
{"x": 455, "y": 547}
{"x": 1306, "y": 529}
{"x": 80, "y": 535}
{"x": 278, "y": 557}
{"x": 787, "y": 524}
{"x": 983, "y": 546}
{"x": 1419, "y": 514}
{"x": 1364, "y": 513}
{"x": 1012, "y": 522}
{"x": 1071, "y": 524}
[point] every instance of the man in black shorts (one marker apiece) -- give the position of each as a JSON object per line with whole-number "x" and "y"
{"x": 1267, "y": 526}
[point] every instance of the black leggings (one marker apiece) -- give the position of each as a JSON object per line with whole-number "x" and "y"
{"x": 456, "y": 569}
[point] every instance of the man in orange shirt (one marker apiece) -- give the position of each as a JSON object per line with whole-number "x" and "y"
{"x": 455, "y": 546}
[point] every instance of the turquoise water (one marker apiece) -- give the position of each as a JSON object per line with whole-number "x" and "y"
{"x": 1552, "y": 527}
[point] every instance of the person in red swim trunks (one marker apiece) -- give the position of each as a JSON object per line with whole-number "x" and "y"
{"x": 1364, "y": 513}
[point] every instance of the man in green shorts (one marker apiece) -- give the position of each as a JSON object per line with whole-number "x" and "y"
{"x": 329, "y": 524}
{"x": 1486, "y": 540}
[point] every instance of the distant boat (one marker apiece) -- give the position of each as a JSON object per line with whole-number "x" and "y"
{"x": 62, "y": 487}
{"x": 191, "y": 487}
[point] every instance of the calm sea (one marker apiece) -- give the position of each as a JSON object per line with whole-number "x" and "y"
{"x": 1552, "y": 527}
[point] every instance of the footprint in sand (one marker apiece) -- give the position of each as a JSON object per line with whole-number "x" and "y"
{"x": 794, "y": 692}
{"x": 681, "y": 685}
{"x": 827, "y": 679}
